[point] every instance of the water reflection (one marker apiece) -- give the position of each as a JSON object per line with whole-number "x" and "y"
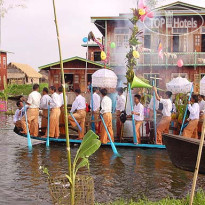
{"x": 138, "y": 173}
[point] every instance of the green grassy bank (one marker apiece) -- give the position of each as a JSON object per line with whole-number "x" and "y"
{"x": 23, "y": 89}
{"x": 198, "y": 200}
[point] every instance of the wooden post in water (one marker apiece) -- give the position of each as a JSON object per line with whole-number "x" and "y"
{"x": 197, "y": 164}
{"x": 65, "y": 106}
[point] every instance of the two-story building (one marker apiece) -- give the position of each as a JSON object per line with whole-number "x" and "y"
{"x": 3, "y": 69}
{"x": 180, "y": 28}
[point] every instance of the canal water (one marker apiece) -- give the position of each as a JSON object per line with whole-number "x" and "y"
{"x": 140, "y": 173}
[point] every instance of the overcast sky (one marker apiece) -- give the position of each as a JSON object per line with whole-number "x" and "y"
{"x": 30, "y": 32}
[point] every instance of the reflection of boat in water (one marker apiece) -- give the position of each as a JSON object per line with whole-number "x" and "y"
{"x": 183, "y": 152}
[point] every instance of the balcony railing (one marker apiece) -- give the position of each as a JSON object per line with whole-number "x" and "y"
{"x": 169, "y": 59}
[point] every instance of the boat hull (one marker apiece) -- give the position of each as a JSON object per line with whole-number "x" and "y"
{"x": 118, "y": 144}
{"x": 183, "y": 152}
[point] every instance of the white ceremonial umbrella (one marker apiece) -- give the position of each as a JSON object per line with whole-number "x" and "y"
{"x": 179, "y": 85}
{"x": 202, "y": 86}
{"x": 104, "y": 78}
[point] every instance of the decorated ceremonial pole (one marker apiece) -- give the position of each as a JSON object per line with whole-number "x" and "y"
{"x": 65, "y": 106}
{"x": 185, "y": 113}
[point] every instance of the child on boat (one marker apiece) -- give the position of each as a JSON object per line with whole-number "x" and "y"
{"x": 79, "y": 107}
{"x": 55, "y": 105}
{"x": 106, "y": 112}
{"x": 44, "y": 107}
{"x": 96, "y": 107}
{"x": 163, "y": 126}
{"x": 138, "y": 113}
{"x": 120, "y": 106}
{"x": 191, "y": 129}
{"x": 18, "y": 116}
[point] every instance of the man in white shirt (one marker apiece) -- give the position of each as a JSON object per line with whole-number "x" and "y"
{"x": 96, "y": 107}
{"x": 106, "y": 111}
{"x": 163, "y": 126}
{"x": 120, "y": 106}
{"x": 62, "y": 115}
{"x": 139, "y": 116}
{"x": 191, "y": 130}
{"x": 44, "y": 106}
{"x": 55, "y": 105}
{"x": 202, "y": 112}
{"x": 79, "y": 107}
{"x": 33, "y": 112}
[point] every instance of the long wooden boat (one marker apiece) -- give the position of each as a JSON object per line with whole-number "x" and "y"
{"x": 183, "y": 152}
{"x": 118, "y": 144}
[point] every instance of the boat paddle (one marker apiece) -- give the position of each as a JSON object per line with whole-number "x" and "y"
{"x": 79, "y": 127}
{"x": 28, "y": 133}
{"x": 92, "y": 117}
{"x": 111, "y": 142}
{"x": 48, "y": 127}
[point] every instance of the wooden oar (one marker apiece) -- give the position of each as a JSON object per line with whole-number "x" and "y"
{"x": 92, "y": 118}
{"x": 184, "y": 118}
{"x": 111, "y": 142}
{"x": 28, "y": 133}
{"x": 48, "y": 127}
{"x": 79, "y": 127}
{"x": 197, "y": 164}
{"x": 133, "y": 120}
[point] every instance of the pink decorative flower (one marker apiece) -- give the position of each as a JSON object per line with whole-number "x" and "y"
{"x": 147, "y": 13}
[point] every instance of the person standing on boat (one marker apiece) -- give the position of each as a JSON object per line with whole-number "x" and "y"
{"x": 62, "y": 115}
{"x": 79, "y": 107}
{"x": 55, "y": 105}
{"x": 163, "y": 126}
{"x": 106, "y": 112}
{"x": 151, "y": 106}
{"x": 44, "y": 107}
{"x": 202, "y": 112}
{"x": 96, "y": 107}
{"x": 138, "y": 113}
{"x": 33, "y": 112}
{"x": 120, "y": 106}
{"x": 191, "y": 129}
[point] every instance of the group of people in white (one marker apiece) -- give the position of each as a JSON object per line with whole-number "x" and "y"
{"x": 55, "y": 101}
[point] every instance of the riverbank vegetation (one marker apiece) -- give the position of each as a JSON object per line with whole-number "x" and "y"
{"x": 199, "y": 199}
{"x": 15, "y": 90}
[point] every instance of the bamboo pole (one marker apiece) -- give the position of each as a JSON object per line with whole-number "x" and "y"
{"x": 197, "y": 164}
{"x": 65, "y": 106}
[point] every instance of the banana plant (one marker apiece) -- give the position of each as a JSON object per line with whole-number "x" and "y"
{"x": 89, "y": 145}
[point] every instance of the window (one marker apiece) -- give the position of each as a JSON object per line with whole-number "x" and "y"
{"x": 179, "y": 30}
{"x": 4, "y": 62}
{"x": 122, "y": 37}
{"x": 152, "y": 77}
{"x": 183, "y": 75}
{"x": 55, "y": 79}
{"x": 97, "y": 56}
{"x": 197, "y": 40}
